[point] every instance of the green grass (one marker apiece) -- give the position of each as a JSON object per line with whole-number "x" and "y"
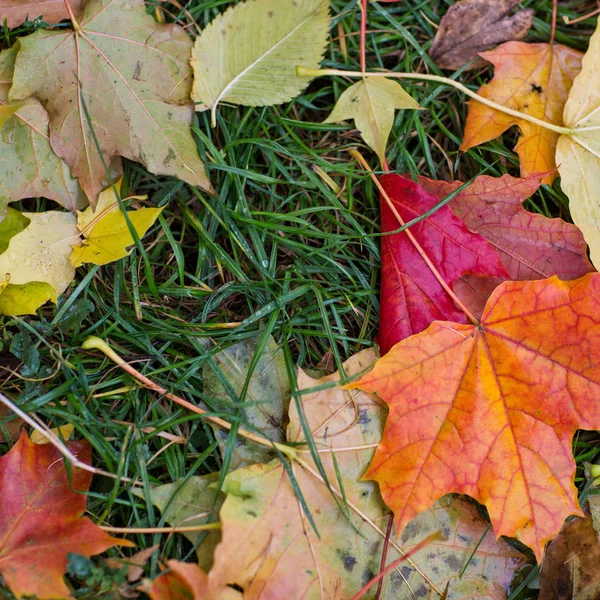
{"x": 278, "y": 253}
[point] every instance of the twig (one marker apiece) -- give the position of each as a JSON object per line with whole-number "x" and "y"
{"x": 136, "y": 530}
{"x": 363, "y": 35}
{"x": 386, "y": 544}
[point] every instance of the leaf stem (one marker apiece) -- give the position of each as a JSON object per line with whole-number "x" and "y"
{"x": 360, "y": 158}
{"x": 302, "y": 71}
{"x": 363, "y": 35}
{"x": 95, "y": 343}
{"x": 136, "y": 530}
{"x": 74, "y": 22}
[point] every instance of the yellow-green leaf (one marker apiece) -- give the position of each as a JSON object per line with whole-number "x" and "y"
{"x": 578, "y": 155}
{"x": 14, "y": 222}
{"x": 105, "y": 230}
{"x": 372, "y": 103}
{"x": 24, "y": 299}
{"x": 248, "y": 55}
{"x": 39, "y": 253}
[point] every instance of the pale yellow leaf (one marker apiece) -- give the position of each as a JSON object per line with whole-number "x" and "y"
{"x": 64, "y": 432}
{"x": 248, "y": 55}
{"x": 40, "y": 252}
{"x": 105, "y": 231}
{"x": 372, "y": 103}
{"x": 578, "y": 155}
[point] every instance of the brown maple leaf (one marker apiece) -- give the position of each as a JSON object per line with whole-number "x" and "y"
{"x": 41, "y": 519}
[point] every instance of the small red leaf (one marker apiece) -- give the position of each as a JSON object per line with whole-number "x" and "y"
{"x": 411, "y": 296}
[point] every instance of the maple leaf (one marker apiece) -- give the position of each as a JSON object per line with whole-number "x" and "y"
{"x": 106, "y": 235}
{"x": 490, "y": 410}
{"x": 372, "y": 103}
{"x": 185, "y": 581}
{"x": 266, "y": 400}
{"x": 473, "y": 26}
{"x": 35, "y": 266}
{"x": 52, "y": 11}
{"x": 103, "y": 75}
{"x": 571, "y": 568}
{"x": 411, "y": 296}
{"x": 533, "y": 79}
{"x": 248, "y": 55}
{"x": 41, "y": 519}
{"x": 530, "y": 245}
{"x": 578, "y": 154}
{"x": 28, "y": 165}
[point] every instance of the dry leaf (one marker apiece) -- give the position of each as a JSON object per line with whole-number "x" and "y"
{"x": 51, "y": 11}
{"x": 534, "y": 79}
{"x": 110, "y": 65}
{"x": 473, "y": 26}
{"x": 491, "y": 410}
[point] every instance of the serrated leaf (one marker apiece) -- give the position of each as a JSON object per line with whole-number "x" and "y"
{"x": 106, "y": 236}
{"x": 372, "y": 104}
{"x": 28, "y": 165}
{"x": 490, "y": 410}
{"x": 248, "y": 55}
{"x": 133, "y": 78}
{"x": 578, "y": 155}
{"x": 40, "y": 254}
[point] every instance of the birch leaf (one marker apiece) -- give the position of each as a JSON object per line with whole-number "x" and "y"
{"x": 28, "y": 166}
{"x": 578, "y": 155}
{"x": 126, "y": 75}
{"x": 105, "y": 231}
{"x": 372, "y": 103}
{"x": 248, "y": 55}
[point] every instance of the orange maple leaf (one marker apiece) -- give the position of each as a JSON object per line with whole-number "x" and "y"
{"x": 490, "y": 410}
{"x": 534, "y": 79}
{"x": 41, "y": 519}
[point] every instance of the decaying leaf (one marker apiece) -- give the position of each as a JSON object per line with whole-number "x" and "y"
{"x": 270, "y": 549}
{"x": 489, "y": 564}
{"x": 105, "y": 233}
{"x": 51, "y": 11}
{"x": 571, "y": 568}
{"x": 28, "y": 166}
{"x": 578, "y": 155}
{"x": 36, "y": 267}
{"x": 534, "y": 79}
{"x": 41, "y": 519}
{"x": 530, "y": 245}
{"x": 184, "y": 581}
{"x": 267, "y": 395}
{"x": 411, "y": 296}
{"x": 473, "y": 26}
{"x": 248, "y": 55}
{"x": 372, "y": 104}
{"x": 12, "y": 427}
{"x": 104, "y": 74}
{"x": 189, "y": 503}
{"x": 491, "y": 410}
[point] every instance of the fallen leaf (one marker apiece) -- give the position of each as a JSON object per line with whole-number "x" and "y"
{"x": 105, "y": 73}
{"x": 270, "y": 549}
{"x": 473, "y": 26}
{"x": 63, "y": 432}
{"x": 28, "y": 166}
{"x": 185, "y": 581}
{"x": 41, "y": 511}
{"x": 489, "y": 564}
{"x": 534, "y": 79}
{"x": 38, "y": 259}
{"x": 188, "y": 503}
{"x": 578, "y": 155}
{"x": 530, "y": 245}
{"x": 14, "y": 222}
{"x": 24, "y": 299}
{"x": 106, "y": 235}
{"x": 411, "y": 296}
{"x": 571, "y": 568}
{"x": 12, "y": 427}
{"x": 248, "y": 55}
{"x": 490, "y": 410}
{"x": 52, "y": 11}
{"x": 267, "y": 395}
{"x": 372, "y": 104}
{"x": 136, "y": 563}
